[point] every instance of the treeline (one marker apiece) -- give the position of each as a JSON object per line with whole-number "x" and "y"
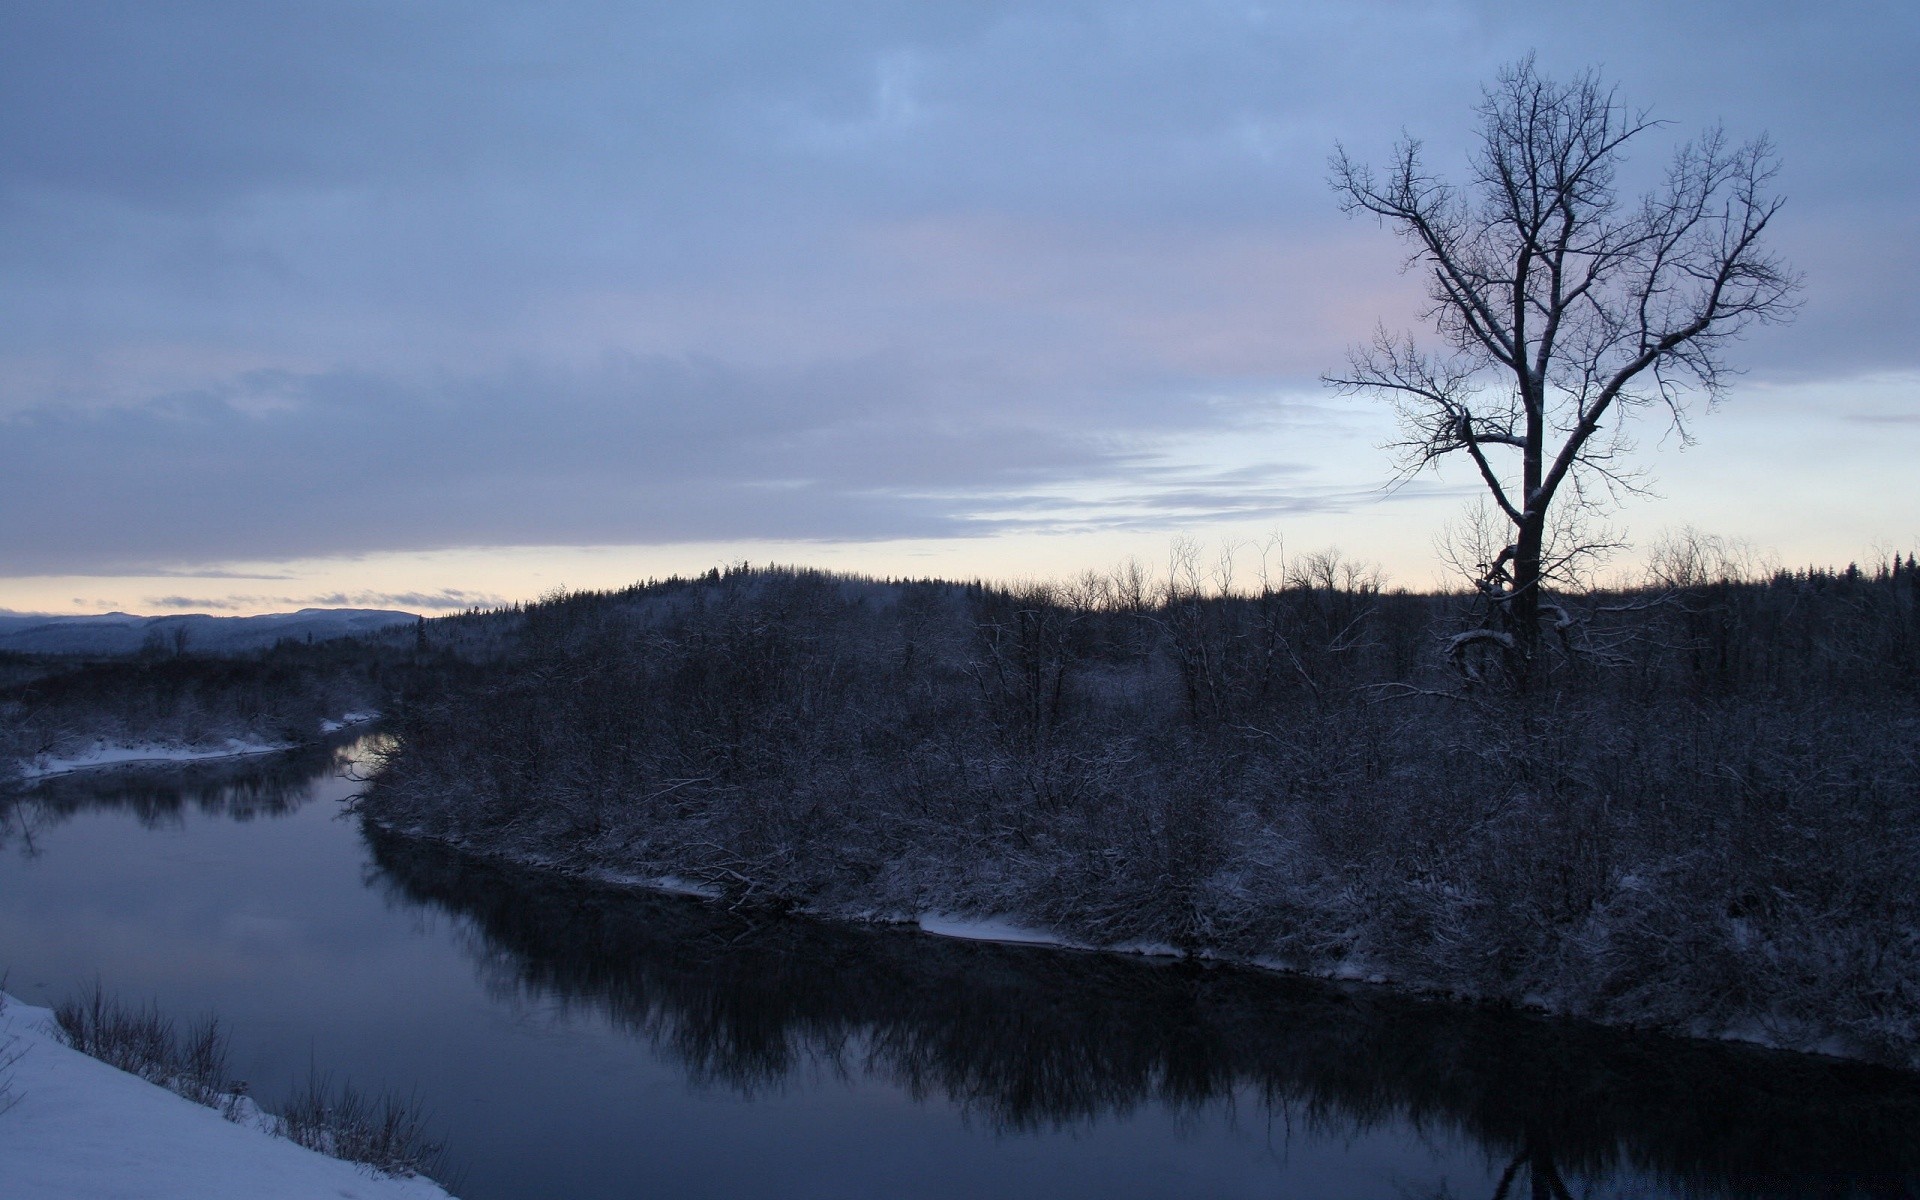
{"x": 1702, "y": 814}
{"x": 57, "y": 705}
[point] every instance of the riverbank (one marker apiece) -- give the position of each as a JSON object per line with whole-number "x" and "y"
{"x": 1017, "y": 930}
{"x": 78, "y": 1127}
{"x": 105, "y": 755}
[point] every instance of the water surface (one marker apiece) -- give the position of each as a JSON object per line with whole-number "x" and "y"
{"x": 574, "y": 1041}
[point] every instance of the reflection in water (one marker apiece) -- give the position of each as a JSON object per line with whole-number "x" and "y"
{"x": 1026, "y": 1038}
{"x": 159, "y": 795}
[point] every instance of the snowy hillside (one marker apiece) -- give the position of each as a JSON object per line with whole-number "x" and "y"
{"x": 78, "y": 1127}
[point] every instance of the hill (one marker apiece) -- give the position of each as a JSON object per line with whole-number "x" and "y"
{"x": 124, "y": 633}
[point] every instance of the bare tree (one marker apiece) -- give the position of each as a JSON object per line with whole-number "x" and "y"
{"x": 1562, "y": 308}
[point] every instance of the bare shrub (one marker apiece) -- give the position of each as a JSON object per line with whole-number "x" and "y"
{"x": 387, "y": 1132}
{"x": 9, "y": 1055}
{"x": 141, "y": 1041}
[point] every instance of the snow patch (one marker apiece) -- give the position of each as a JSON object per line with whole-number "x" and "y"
{"x": 348, "y": 721}
{"x": 108, "y": 754}
{"x": 1161, "y": 950}
{"x": 83, "y": 1128}
{"x": 989, "y": 929}
{"x": 671, "y": 884}
{"x": 684, "y": 887}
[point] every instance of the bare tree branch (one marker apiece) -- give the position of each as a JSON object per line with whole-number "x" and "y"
{"x": 1563, "y": 309}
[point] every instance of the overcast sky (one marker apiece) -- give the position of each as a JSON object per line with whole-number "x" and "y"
{"x": 420, "y": 304}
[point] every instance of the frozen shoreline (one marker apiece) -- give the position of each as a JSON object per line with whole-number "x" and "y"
{"x": 113, "y": 755}
{"x": 78, "y": 1127}
{"x": 106, "y": 756}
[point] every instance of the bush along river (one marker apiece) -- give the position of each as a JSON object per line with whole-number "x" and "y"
{"x": 578, "y": 1040}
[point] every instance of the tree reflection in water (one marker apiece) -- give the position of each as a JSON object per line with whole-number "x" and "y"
{"x": 1027, "y": 1038}
{"x": 159, "y": 795}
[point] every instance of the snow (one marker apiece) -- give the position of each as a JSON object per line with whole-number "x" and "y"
{"x": 677, "y": 886}
{"x": 127, "y": 754}
{"x": 988, "y": 929}
{"x": 107, "y": 754}
{"x": 82, "y": 1128}
{"x": 1009, "y": 930}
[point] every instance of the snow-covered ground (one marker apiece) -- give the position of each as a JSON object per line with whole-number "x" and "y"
{"x": 79, "y": 1127}
{"x": 1012, "y": 931}
{"x": 990, "y": 929}
{"x": 127, "y": 754}
{"x": 105, "y": 754}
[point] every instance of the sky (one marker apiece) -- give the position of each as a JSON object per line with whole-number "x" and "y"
{"x": 431, "y": 305}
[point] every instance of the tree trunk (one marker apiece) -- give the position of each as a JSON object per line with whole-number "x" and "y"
{"x": 1523, "y": 604}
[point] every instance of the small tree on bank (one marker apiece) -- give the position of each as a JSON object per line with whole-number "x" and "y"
{"x": 1562, "y": 308}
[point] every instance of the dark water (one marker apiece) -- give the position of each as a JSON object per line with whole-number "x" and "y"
{"x": 579, "y": 1043}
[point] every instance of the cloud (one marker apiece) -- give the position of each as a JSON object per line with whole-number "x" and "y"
{"x": 635, "y": 450}
{"x": 1884, "y": 418}
{"x": 276, "y": 282}
{"x": 195, "y": 603}
{"x": 445, "y": 599}
{"x": 442, "y": 600}
{"x": 1176, "y": 507}
{"x": 215, "y": 573}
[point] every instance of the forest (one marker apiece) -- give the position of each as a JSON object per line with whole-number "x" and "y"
{"x": 1700, "y": 813}
{"x": 57, "y": 705}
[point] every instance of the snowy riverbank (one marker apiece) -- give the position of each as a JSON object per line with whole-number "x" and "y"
{"x": 78, "y": 1127}
{"x": 103, "y": 754}
{"x": 1018, "y": 929}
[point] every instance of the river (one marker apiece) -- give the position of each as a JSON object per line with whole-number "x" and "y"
{"x": 582, "y": 1042}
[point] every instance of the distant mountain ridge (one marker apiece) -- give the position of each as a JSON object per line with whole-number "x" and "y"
{"x": 125, "y": 633}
